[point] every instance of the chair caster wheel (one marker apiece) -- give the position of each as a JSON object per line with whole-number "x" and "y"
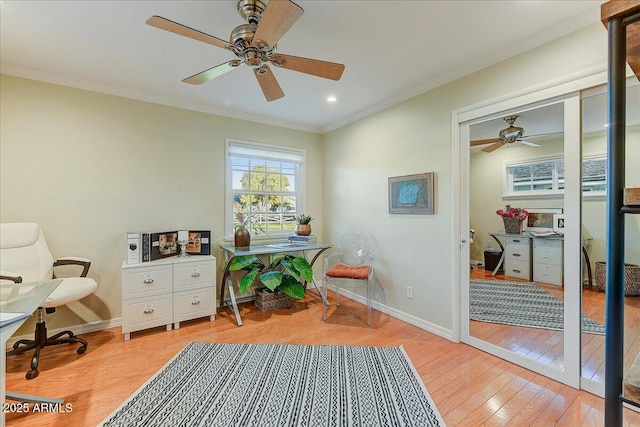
{"x": 31, "y": 374}
{"x": 81, "y": 350}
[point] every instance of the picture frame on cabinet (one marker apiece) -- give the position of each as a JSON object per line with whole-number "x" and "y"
{"x": 164, "y": 244}
{"x": 199, "y": 242}
{"x": 540, "y": 219}
{"x": 558, "y": 223}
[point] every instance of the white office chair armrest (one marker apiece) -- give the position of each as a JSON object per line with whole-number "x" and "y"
{"x": 9, "y": 275}
{"x": 74, "y": 258}
{"x": 85, "y": 263}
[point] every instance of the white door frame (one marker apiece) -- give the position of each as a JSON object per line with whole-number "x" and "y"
{"x": 567, "y": 92}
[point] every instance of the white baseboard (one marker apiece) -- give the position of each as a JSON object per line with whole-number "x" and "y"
{"x": 422, "y": 324}
{"x": 477, "y": 263}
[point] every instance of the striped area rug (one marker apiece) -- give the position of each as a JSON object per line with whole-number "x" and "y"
{"x": 281, "y": 385}
{"x": 520, "y": 304}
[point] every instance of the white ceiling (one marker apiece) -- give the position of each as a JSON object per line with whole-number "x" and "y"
{"x": 392, "y": 50}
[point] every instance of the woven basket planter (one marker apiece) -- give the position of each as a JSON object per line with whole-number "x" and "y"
{"x": 267, "y": 301}
{"x": 512, "y": 225}
{"x": 631, "y": 278}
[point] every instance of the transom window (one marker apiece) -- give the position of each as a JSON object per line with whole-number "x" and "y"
{"x": 264, "y": 186}
{"x": 546, "y": 176}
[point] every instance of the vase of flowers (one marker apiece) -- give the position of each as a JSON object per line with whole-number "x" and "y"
{"x": 303, "y": 225}
{"x": 512, "y": 218}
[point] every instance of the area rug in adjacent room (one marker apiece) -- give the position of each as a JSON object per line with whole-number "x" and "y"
{"x": 211, "y": 384}
{"x": 520, "y": 304}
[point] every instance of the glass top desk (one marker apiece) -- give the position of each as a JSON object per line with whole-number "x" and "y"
{"x": 22, "y": 298}
{"x": 230, "y": 252}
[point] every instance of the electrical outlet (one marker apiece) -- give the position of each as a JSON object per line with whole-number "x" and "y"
{"x": 409, "y": 292}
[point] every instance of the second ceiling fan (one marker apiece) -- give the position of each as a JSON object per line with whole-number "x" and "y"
{"x": 254, "y": 43}
{"x": 506, "y": 136}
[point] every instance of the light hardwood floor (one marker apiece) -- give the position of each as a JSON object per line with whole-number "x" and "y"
{"x": 469, "y": 387}
{"x": 546, "y": 346}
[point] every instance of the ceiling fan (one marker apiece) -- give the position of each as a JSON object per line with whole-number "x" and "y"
{"x": 254, "y": 43}
{"x": 506, "y": 136}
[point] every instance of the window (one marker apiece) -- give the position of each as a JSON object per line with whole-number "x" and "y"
{"x": 264, "y": 183}
{"x": 546, "y": 176}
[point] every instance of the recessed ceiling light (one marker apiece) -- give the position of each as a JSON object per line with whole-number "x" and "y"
{"x": 332, "y": 99}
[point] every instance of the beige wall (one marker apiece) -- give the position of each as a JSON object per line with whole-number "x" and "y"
{"x": 88, "y": 167}
{"x": 415, "y": 137}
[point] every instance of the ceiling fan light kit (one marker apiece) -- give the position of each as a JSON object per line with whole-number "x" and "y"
{"x": 254, "y": 43}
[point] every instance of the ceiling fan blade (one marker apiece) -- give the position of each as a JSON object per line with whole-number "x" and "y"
{"x": 278, "y": 17}
{"x": 328, "y": 70}
{"x": 268, "y": 84}
{"x": 529, "y": 143}
{"x": 484, "y": 141}
{"x": 544, "y": 135}
{"x": 212, "y": 73}
{"x": 493, "y": 147}
{"x": 183, "y": 30}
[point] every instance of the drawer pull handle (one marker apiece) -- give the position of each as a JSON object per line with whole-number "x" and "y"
{"x": 195, "y": 302}
{"x": 148, "y": 281}
{"x": 517, "y": 255}
{"x": 195, "y": 274}
{"x": 517, "y": 271}
{"x": 148, "y": 311}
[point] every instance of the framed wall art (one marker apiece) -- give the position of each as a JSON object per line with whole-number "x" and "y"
{"x": 412, "y": 194}
{"x": 540, "y": 219}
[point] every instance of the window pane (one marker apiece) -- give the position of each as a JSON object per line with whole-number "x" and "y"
{"x": 560, "y": 173}
{"x": 264, "y": 187}
{"x": 594, "y": 175}
{"x": 521, "y": 178}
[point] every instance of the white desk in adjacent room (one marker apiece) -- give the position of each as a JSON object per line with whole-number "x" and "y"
{"x": 530, "y": 257}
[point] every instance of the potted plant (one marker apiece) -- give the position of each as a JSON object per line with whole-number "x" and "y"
{"x": 512, "y": 218}
{"x": 282, "y": 279}
{"x": 303, "y": 225}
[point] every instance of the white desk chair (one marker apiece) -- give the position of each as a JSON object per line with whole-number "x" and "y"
{"x": 25, "y": 257}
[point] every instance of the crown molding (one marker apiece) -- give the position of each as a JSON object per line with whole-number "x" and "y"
{"x": 552, "y": 33}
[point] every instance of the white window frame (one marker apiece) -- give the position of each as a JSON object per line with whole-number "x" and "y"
{"x": 508, "y": 190}
{"x": 261, "y": 151}
{"x": 508, "y": 177}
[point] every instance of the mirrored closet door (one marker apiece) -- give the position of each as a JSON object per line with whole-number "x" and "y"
{"x": 594, "y": 177}
{"x": 515, "y": 279}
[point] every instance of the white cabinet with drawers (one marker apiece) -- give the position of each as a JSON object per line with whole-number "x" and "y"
{"x": 167, "y": 292}
{"x": 547, "y": 261}
{"x": 517, "y": 260}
